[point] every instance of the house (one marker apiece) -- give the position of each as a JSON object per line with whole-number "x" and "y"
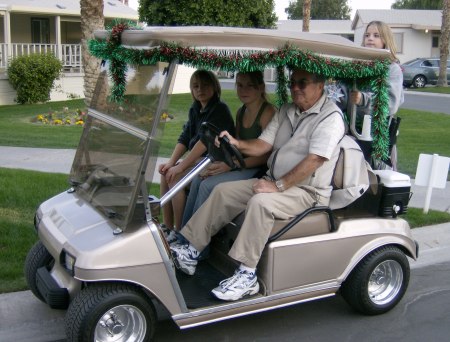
{"x": 416, "y": 32}
{"x": 32, "y": 26}
{"x": 339, "y": 27}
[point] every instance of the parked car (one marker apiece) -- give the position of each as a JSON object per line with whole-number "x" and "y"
{"x": 422, "y": 71}
{"x": 101, "y": 253}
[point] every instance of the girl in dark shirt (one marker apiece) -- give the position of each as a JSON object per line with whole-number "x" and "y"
{"x": 251, "y": 119}
{"x": 207, "y": 106}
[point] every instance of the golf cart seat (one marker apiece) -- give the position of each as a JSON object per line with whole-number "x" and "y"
{"x": 323, "y": 219}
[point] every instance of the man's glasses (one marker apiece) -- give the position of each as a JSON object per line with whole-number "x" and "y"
{"x": 302, "y": 84}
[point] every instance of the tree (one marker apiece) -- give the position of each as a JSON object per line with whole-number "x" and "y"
{"x": 306, "y": 15}
{"x": 91, "y": 19}
{"x": 445, "y": 31}
{"x": 417, "y": 4}
{"x": 237, "y": 13}
{"x": 320, "y": 9}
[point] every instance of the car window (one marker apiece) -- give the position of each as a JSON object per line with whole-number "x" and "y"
{"x": 434, "y": 63}
{"x": 426, "y": 63}
{"x": 448, "y": 64}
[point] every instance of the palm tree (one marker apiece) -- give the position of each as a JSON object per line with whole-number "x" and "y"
{"x": 445, "y": 31}
{"x": 91, "y": 19}
{"x": 306, "y": 15}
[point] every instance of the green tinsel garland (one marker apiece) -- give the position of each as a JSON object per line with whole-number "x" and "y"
{"x": 373, "y": 73}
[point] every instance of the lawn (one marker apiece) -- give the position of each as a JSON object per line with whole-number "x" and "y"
{"x": 17, "y": 128}
{"x": 432, "y": 89}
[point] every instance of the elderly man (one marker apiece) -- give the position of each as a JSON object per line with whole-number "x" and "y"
{"x": 303, "y": 137}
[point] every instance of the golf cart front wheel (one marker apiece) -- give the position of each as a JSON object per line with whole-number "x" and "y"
{"x": 378, "y": 282}
{"x": 110, "y": 312}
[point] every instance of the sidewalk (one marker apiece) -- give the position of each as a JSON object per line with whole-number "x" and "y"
{"x": 44, "y": 159}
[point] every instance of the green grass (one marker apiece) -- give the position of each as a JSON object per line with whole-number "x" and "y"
{"x": 432, "y": 89}
{"x": 416, "y": 218}
{"x": 421, "y": 132}
{"x": 22, "y": 192}
{"x": 16, "y": 128}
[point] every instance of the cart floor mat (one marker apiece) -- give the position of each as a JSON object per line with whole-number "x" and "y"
{"x": 197, "y": 288}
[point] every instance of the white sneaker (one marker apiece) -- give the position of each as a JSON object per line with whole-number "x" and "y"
{"x": 241, "y": 284}
{"x": 185, "y": 257}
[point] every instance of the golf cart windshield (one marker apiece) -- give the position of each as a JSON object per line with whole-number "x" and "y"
{"x": 117, "y": 141}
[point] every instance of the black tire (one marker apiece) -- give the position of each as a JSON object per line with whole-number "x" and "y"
{"x": 419, "y": 81}
{"x": 37, "y": 257}
{"x": 378, "y": 282}
{"x": 125, "y": 308}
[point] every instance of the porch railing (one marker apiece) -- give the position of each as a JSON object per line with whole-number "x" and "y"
{"x": 69, "y": 54}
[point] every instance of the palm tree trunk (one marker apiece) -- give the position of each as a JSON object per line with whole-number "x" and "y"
{"x": 91, "y": 19}
{"x": 445, "y": 30}
{"x": 306, "y": 15}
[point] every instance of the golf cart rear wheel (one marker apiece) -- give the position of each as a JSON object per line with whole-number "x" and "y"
{"x": 110, "y": 312}
{"x": 378, "y": 282}
{"x": 37, "y": 257}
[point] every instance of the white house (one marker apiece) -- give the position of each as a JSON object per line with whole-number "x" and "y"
{"x": 339, "y": 27}
{"x": 29, "y": 26}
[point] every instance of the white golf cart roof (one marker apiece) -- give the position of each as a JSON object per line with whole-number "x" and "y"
{"x": 210, "y": 37}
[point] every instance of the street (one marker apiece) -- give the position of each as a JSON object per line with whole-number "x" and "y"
{"x": 429, "y": 102}
{"x": 422, "y": 315}
{"x": 436, "y": 103}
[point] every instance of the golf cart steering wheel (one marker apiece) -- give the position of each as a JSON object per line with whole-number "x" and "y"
{"x": 226, "y": 152}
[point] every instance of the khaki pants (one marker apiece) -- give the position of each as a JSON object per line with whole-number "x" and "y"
{"x": 230, "y": 199}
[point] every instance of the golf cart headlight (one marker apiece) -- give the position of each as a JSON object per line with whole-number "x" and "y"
{"x": 37, "y": 219}
{"x": 68, "y": 261}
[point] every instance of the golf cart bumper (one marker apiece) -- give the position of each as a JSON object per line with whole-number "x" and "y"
{"x": 54, "y": 295}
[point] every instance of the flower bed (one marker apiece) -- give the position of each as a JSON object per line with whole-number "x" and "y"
{"x": 65, "y": 117}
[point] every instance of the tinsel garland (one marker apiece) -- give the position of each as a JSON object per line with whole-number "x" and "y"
{"x": 374, "y": 73}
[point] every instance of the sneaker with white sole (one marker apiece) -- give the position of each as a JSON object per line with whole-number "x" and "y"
{"x": 241, "y": 284}
{"x": 185, "y": 257}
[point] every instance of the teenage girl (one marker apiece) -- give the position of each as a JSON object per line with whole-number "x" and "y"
{"x": 207, "y": 106}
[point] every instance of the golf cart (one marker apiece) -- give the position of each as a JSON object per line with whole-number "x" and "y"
{"x": 101, "y": 252}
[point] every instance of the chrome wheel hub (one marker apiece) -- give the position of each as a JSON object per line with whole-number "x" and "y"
{"x": 385, "y": 282}
{"x": 120, "y": 324}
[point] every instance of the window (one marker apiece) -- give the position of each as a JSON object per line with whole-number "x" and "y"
{"x": 40, "y": 30}
{"x": 398, "y": 40}
{"x": 435, "y": 41}
{"x": 434, "y": 63}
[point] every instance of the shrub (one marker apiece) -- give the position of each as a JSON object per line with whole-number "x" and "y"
{"x": 33, "y": 76}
